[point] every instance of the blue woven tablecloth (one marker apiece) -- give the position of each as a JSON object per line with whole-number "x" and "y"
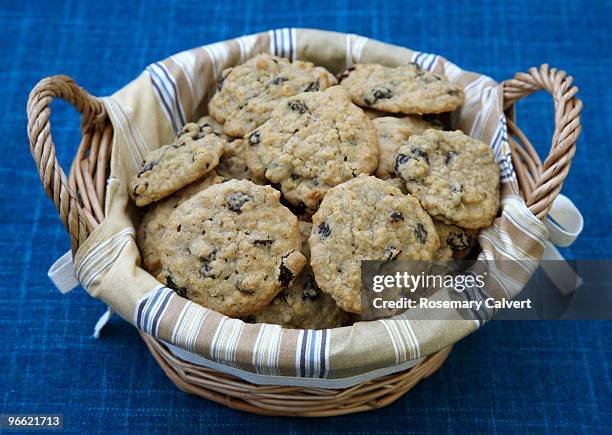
{"x": 509, "y": 376}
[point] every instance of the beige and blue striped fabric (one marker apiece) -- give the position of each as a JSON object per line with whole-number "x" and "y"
{"x": 146, "y": 114}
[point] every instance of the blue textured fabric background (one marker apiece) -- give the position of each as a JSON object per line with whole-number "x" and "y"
{"x": 509, "y": 376}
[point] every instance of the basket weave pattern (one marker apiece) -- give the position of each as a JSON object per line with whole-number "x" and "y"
{"x": 79, "y": 199}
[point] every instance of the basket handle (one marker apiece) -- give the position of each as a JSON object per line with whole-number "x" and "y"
{"x": 541, "y": 183}
{"x": 56, "y": 185}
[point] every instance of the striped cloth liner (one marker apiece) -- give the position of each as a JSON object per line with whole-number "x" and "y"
{"x": 176, "y": 90}
{"x": 103, "y": 257}
{"x": 124, "y": 119}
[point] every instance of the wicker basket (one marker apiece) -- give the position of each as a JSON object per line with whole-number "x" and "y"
{"x": 79, "y": 199}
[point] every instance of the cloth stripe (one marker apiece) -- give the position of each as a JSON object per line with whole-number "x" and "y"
{"x": 266, "y": 349}
{"x": 225, "y": 341}
{"x": 312, "y": 357}
{"x": 186, "y": 62}
{"x": 165, "y": 88}
{"x": 219, "y": 55}
{"x": 125, "y": 125}
{"x": 354, "y": 48}
{"x": 247, "y": 46}
{"x": 425, "y": 60}
{"x": 188, "y": 326}
{"x": 402, "y": 336}
{"x": 171, "y": 81}
{"x": 151, "y": 308}
{"x": 515, "y": 211}
{"x": 283, "y": 43}
{"x": 102, "y": 257}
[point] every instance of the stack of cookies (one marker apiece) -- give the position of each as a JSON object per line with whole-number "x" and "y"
{"x": 264, "y": 209}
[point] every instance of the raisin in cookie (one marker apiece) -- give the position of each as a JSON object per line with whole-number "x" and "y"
{"x": 312, "y": 142}
{"x": 248, "y": 93}
{"x": 365, "y": 219}
{"x": 392, "y": 134}
{"x": 171, "y": 167}
{"x": 454, "y": 177}
{"x": 302, "y": 305}
{"x": 232, "y": 248}
{"x": 404, "y": 89}
{"x": 455, "y": 242}
{"x": 150, "y": 232}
